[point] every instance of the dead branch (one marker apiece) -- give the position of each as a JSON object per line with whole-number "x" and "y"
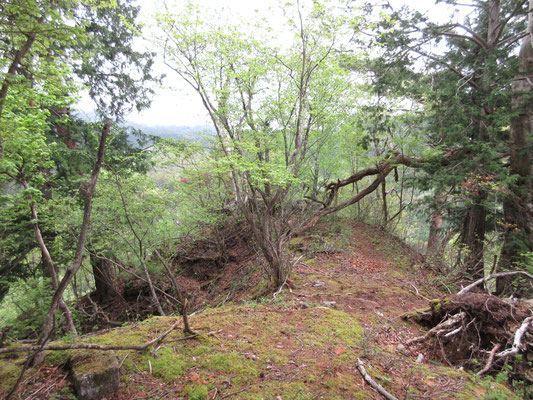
{"x": 518, "y": 336}
{"x": 442, "y": 328}
{"x": 171, "y": 277}
{"x": 488, "y": 365}
{"x": 186, "y": 328}
{"x": 493, "y": 276}
{"x": 372, "y": 382}
{"x": 91, "y": 346}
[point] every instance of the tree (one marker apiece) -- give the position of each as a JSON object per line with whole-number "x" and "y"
{"x": 271, "y": 108}
{"x": 467, "y": 107}
{"x": 518, "y": 203}
{"x": 44, "y": 46}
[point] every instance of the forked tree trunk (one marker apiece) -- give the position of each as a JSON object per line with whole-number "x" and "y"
{"x": 518, "y": 206}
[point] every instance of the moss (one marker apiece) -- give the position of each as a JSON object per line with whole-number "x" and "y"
{"x": 339, "y": 325}
{"x": 435, "y": 305}
{"x": 56, "y": 357}
{"x": 486, "y": 389}
{"x": 312, "y": 263}
{"x": 231, "y": 363}
{"x": 168, "y": 365}
{"x": 92, "y": 361}
{"x": 199, "y": 350}
{"x": 271, "y": 390}
{"x": 196, "y": 392}
{"x": 296, "y": 242}
{"x": 9, "y": 373}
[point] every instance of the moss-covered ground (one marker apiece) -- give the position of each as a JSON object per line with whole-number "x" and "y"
{"x": 350, "y": 288}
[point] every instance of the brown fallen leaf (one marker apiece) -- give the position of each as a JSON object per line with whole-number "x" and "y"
{"x": 194, "y": 377}
{"x": 340, "y": 350}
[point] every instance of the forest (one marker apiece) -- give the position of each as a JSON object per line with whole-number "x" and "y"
{"x": 360, "y": 194}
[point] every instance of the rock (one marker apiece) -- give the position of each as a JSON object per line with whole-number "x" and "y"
{"x": 420, "y": 358}
{"x": 330, "y": 304}
{"x": 94, "y": 374}
{"x": 318, "y": 284}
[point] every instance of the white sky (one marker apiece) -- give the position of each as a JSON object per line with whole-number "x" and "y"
{"x": 177, "y": 104}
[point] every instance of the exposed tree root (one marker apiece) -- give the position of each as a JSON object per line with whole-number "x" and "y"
{"x": 474, "y": 327}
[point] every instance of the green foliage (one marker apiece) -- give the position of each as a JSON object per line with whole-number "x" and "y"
{"x": 25, "y": 307}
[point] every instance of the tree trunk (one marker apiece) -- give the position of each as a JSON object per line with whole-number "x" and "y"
{"x": 433, "y": 244}
{"x": 49, "y": 321}
{"x": 384, "y": 204}
{"x": 104, "y": 278}
{"x": 518, "y": 205}
{"x": 435, "y": 226}
{"x": 473, "y": 238}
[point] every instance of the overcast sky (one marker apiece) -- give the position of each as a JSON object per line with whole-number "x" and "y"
{"x": 176, "y": 104}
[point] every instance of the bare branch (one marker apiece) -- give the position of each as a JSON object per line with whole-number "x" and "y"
{"x": 90, "y": 346}
{"x": 493, "y": 276}
{"x": 517, "y": 343}
{"x": 372, "y": 382}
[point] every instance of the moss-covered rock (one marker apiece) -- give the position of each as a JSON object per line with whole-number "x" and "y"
{"x": 94, "y": 374}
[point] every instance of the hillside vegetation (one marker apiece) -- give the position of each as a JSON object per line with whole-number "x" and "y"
{"x": 349, "y": 289}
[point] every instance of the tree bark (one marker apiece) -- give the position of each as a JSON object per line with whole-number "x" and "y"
{"x": 434, "y": 240}
{"x": 518, "y": 205}
{"x": 473, "y": 238}
{"x": 104, "y": 278}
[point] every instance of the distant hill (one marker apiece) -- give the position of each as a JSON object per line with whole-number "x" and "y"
{"x": 194, "y": 133}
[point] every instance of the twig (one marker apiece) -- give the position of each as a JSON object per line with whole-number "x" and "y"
{"x": 124, "y": 359}
{"x": 517, "y": 343}
{"x": 488, "y": 278}
{"x": 234, "y": 393}
{"x": 418, "y": 293}
{"x": 490, "y": 360}
{"x": 372, "y": 382}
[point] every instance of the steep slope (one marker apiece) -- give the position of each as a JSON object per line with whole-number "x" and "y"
{"x": 349, "y": 287}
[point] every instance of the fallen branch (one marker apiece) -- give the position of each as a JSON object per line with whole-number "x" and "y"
{"x": 91, "y": 346}
{"x": 493, "y": 276}
{"x": 518, "y": 336}
{"x": 488, "y": 365}
{"x": 372, "y": 382}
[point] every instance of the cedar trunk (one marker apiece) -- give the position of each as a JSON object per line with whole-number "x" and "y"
{"x": 518, "y": 206}
{"x": 473, "y": 238}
